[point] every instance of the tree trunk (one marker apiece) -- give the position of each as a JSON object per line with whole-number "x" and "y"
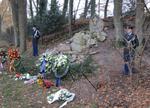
{"x": 31, "y": 10}
{"x": 70, "y": 17}
{"x": 93, "y": 5}
{"x": 53, "y": 6}
{"x": 14, "y": 8}
{"x": 139, "y": 19}
{"x": 71, "y": 9}
{"x": 118, "y": 20}
{"x": 87, "y": 6}
{"x": 65, "y": 7}
{"x": 22, "y": 24}
{"x": 99, "y": 2}
{"x": 43, "y": 6}
{"x": 85, "y": 9}
{"x": 0, "y": 24}
{"x": 77, "y": 10}
{"x": 37, "y": 6}
{"x": 105, "y": 11}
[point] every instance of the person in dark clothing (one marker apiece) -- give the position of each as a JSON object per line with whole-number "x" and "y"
{"x": 130, "y": 38}
{"x": 131, "y": 42}
{"x": 35, "y": 37}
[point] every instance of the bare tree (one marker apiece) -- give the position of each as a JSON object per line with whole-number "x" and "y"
{"x": 71, "y": 9}
{"x": 65, "y": 7}
{"x": 86, "y": 7}
{"x": 70, "y": 17}
{"x": 118, "y": 20}
{"x": 14, "y": 8}
{"x": 139, "y": 19}
{"x": 93, "y": 6}
{"x": 129, "y": 5}
{"x": 22, "y": 13}
{"x": 43, "y": 6}
{"x": 0, "y": 24}
{"x": 132, "y": 4}
{"x": 36, "y": 5}
{"x": 2, "y": 14}
{"x": 75, "y": 14}
{"x": 105, "y": 10}
{"x": 53, "y": 5}
{"x": 147, "y": 17}
{"x": 99, "y": 7}
{"x": 31, "y": 9}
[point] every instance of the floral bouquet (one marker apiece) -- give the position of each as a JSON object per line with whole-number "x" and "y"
{"x": 3, "y": 55}
{"x": 13, "y": 54}
{"x": 55, "y": 62}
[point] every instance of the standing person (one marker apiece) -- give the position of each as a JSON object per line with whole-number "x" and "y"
{"x": 35, "y": 37}
{"x": 131, "y": 42}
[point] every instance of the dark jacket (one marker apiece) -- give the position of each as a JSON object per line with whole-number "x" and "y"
{"x": 36, "y": 34}
{"x": 131, "y": 39}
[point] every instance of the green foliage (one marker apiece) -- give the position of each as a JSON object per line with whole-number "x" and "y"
{"x": 19, "y": 66}
{"x": 47, "y": 21}
{"x": 26, "y": 64}
{"x": 87, "y": 67}
{"x": 42, "y": 7}
{"x": 119, "y": 44}
{"x": 54, "y": 62}
{"x": 94, "y": 105}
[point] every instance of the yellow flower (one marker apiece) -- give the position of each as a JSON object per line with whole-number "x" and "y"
{"x": 40, "y": 82}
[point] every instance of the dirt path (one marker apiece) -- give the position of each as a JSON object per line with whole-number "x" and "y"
{"x": 117, "y": 91}
{"x": 110, "y": 63}
{"x": 114, "y": 89}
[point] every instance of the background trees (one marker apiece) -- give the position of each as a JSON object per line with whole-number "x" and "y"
{"x": 106, "y": 7}
{"x": 50, "y": 17}
{"x": 15, "y": 17}
{"x": 22, "y": 16}
{"x": 140, "y": 19}
{"x": 19, "y": 16}
{"x": 136, "y": 7}
{"x": 65, "y": 8}
{"x": 93, "y": 5}
{"x": 118, "y": 19}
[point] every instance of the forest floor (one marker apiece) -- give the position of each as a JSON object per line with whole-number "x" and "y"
{"x": 114, "y": 89}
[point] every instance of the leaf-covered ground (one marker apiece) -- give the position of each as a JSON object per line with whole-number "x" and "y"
{"x": 114, "y": 89}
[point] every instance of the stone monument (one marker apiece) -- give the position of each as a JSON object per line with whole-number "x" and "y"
{"x": 96, "y": 28}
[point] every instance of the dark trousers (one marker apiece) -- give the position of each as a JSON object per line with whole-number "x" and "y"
{"x": 58, "y": 82}
{"x": 128, "y": 56}
{"x": 35, "y": 46}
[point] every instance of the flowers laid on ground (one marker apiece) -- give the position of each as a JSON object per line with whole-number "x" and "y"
{"x": 13, "y": 53}
{"x": 19, "y": 76}
{"x": 55, "y": 62}
{"x": 61, "y": 95}
{"x": 49, "y": 58}
{"x": 2, "y": 52}
{"x": 3, "y": 55}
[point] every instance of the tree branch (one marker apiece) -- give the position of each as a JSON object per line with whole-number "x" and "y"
{"x": 3, "y": 12}
{"x": 146, "y": 8}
